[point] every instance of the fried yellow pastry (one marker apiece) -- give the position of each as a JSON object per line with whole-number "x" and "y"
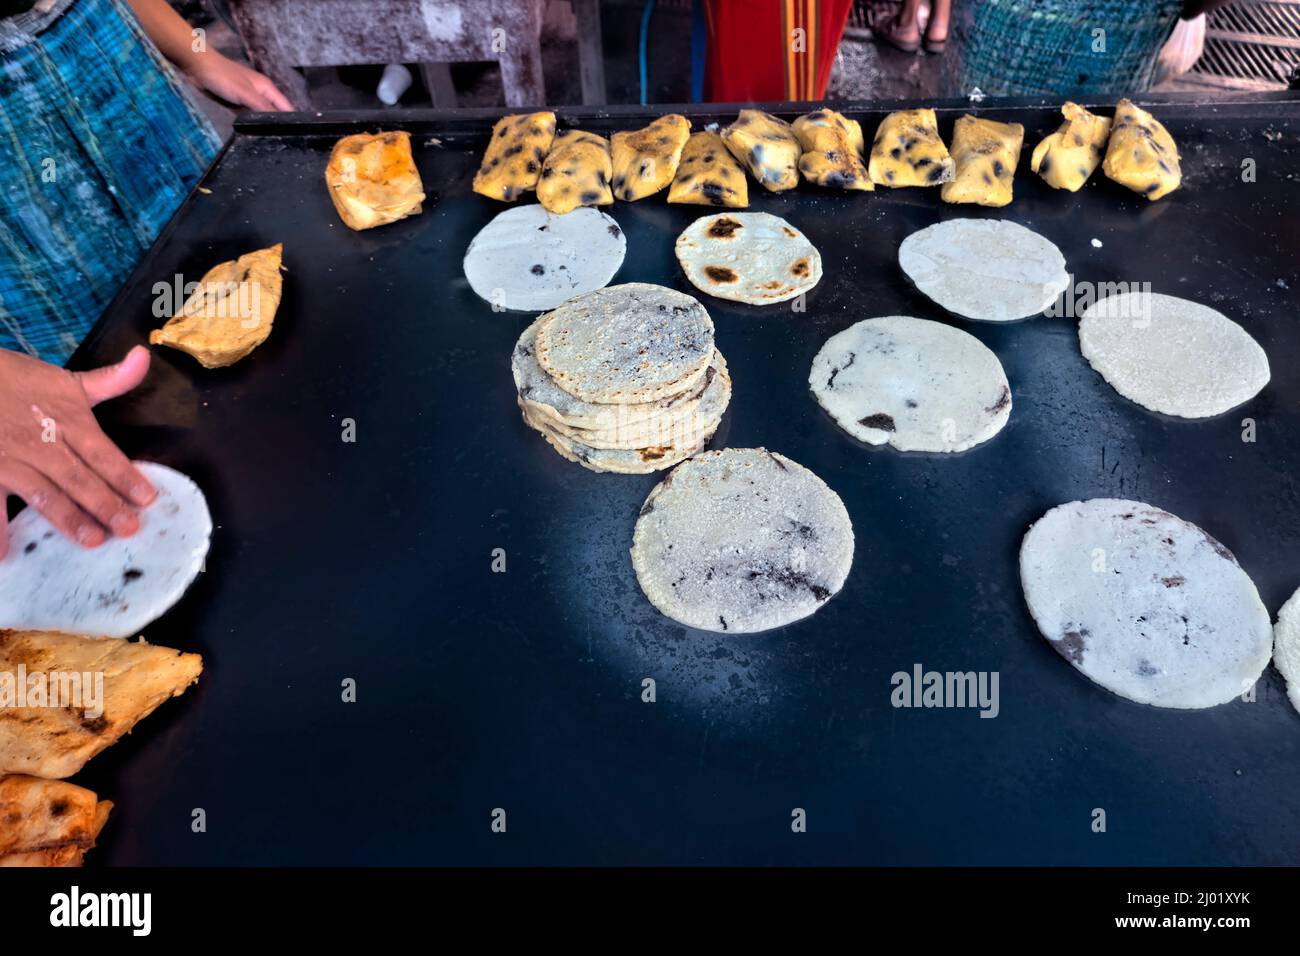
{"x": 1065, "y": 159}
{"x": 985, "y": 154}
{"x": 47, "y": 822}
{"x": 373, "y": 180}
{"x": 230, "y": 313}
{"x": 576, "y": 173}
{"x": 832, "y": 150}
{"x": 56, "y": 742}
{"x": 709, "y": 175}
{"x": 907, "y": 151}
{"x": 645, "y": 161}
{"x": 513, "y": 160}
{"x": 768, "y": 146}
{"x": 1142, "y": 154}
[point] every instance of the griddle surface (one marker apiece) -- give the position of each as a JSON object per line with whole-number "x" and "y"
{"x": 372, "y": 560}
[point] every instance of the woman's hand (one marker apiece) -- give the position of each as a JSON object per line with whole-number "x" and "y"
{"x": 53, "y": 455}
{"x": 236, "y": 83}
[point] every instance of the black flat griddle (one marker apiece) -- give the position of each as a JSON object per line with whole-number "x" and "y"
{"x": 476, "y": 690}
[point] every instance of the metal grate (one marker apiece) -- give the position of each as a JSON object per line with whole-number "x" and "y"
{"x": 865, "y": 13}
{"x": 1254, "y": 43}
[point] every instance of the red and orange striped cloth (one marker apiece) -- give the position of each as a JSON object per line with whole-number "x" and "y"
{"x": 772, "y": 49}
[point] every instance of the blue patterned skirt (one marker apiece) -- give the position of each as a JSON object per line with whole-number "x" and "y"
{"x": 101, "y": 145}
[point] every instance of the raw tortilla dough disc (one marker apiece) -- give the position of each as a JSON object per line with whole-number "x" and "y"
{"x": 1286, "y": 647}
{"x": 912, "y": 383}
{"x": 1144, "y": 603}
{"x": 741, "y": 540}
{"x": 988, "y": 269}
{"x": 48, "y": 583}
{"x": 529, "y": 259}
{"x": 1171, "y": 355}
{"x": 629, "y": 343}
{"x": 752, "y": 257}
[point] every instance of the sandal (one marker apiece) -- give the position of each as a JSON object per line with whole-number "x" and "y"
{"x": 885, "y": 31}
{"x": 935, "y": 46}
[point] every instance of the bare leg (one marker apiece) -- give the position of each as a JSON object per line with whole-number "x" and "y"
{"x": 936, "y": 28}
{"x": 903, "y": 30}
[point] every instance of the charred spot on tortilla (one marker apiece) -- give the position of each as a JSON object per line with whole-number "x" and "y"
{"x": 724, "y": 228}
{"x": 879, "y": 421}
{"x": 720, "y": 274}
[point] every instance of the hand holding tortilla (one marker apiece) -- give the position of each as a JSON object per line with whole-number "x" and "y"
{"x": 83, "y": 485}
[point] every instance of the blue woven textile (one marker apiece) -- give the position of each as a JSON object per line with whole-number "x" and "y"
{"x": 1059, "y": 48}
{"x": 101, "y": 145}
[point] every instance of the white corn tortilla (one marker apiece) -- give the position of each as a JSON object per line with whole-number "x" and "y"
{"x": 741, "y": 540}
{"x": 1286, "y": 647}
{"x": 539, "y": 391}
{"x": 1144, "y": 603}
{"x": 48, "y": 583}
{"x": 686, "y": 424}
{"x": 530, "y": 260}
{"x": 629, "y": 343}
{"x": 751, "y": 257}
{"x": 988, "y": 269}
{"x": 911, "y": 383}
{"x": 1172, "y": 355}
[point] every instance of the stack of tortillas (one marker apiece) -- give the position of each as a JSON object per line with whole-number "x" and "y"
{"x": 624, "y": 379}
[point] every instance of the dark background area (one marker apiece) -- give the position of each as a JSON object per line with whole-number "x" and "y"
{"x": 522, "y": 690}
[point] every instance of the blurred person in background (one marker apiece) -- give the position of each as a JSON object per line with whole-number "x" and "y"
{"x": 903, "y": 29}
{"x": 1070, "y": 48}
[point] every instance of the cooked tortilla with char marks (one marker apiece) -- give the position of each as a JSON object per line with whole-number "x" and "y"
{"x": 751, "y": 257}
{"x": 741, "y": 540}
{"x": 1145, "y": 604}
{"x": 911, "y": 383}
{"x": 628, "y": 343}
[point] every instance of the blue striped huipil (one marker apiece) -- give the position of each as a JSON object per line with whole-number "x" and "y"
{"x": 99, "y": 143}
